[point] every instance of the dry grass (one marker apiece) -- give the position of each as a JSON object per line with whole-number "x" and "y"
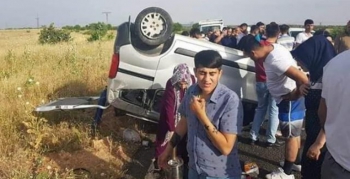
{"x": 31, "y": 74}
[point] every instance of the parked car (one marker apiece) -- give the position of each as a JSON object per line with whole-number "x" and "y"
{"x": 145, "y": 54}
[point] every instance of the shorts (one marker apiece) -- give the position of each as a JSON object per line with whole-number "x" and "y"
{"x": 291, "y": 115}
{"x": 291, "y": 129}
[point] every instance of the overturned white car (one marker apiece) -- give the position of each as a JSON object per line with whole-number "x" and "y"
{"x": 145, "y": 53}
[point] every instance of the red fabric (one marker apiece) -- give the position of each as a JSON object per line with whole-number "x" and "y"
{"x": 260, "y": 74}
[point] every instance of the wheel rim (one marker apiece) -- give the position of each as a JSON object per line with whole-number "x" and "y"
{"x": 152, "y": 25}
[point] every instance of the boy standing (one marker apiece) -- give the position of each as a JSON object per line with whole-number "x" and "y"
{"x": 283, "y": 77}
{"x": 212, "y": 117}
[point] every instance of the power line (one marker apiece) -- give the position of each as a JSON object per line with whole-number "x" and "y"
{"x": 106, "y": 13}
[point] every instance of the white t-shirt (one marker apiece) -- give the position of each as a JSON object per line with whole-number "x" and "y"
{"x": 286, "y": 41}
{"x": 336, "y": 92}
{"x": 276, "y": 64}
{"x": 302, "y": 37}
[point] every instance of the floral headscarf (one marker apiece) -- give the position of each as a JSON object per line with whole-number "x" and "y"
{"x": 181, "y": 73}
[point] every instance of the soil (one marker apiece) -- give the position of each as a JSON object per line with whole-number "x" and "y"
{"x": 111, "y": 157}
{"x": 108, "y": 156}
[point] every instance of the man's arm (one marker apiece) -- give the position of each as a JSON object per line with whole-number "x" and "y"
{"x": 219, "y": 38}
{"x": 224, "y": 142}
{"x": 322, "y": 112}
{"x": 224, "y": 136}
{"x": 321, "y": 139}
{"x": 315, "y": 149}
{"x": 300, "y": 78}
{"x": 180, "y": 131}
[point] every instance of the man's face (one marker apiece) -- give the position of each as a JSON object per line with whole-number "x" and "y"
{"x": 244, "y": 29}
{"x": 309, "y": 27}
{"x": 207, "y": 78}
{"x": 229, "y": 32}
{"x": 262, "y": 29}
{"x": 256, "y": 32}
{"x": 239, "y": 30}
{"x": 255, "y": 55}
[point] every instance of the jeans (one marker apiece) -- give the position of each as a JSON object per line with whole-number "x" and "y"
{"x": 192, "y": 174}
{"x": 265, "y": 102}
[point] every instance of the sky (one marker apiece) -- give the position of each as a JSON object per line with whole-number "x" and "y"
{"x": 23, "y": 13}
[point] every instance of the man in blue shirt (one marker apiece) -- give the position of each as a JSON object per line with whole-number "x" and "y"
{"x": 212, "y": 117}
{"x": 261, "y": 27}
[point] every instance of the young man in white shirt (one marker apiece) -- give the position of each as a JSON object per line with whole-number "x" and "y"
{"x": 303, "y": 36}
{"x": 283, "y": 81}
{"x": 334, "y": 116}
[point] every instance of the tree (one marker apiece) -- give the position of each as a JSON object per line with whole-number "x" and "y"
{"x": 337, "y": 31}
{"x": 196, "y": 25}
{"x": 177, "y": 27}
{"x": 51, "y": 35}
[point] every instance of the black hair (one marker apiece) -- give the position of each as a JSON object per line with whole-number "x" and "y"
{"x": 244, "y": 24}
{"x": 253, "y": 28}
{"x": 225, "y": 28}
{"x": 208, "y": 59}
{"x": 272, "y": 30}
{"x": 308, "y": 21}
{"x": 185, "y": 33}
{"x": 248, "y": 43}
{"x": 195, "y": 31}
{"x": 284, "y": 28}
{"x": 259, "y": 24}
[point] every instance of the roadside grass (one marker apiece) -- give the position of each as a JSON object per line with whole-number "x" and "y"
{"x": 32, "y": 74}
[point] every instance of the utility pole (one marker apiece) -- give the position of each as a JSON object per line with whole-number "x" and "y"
{"x": 37, "y": 21}
{"x": 106, "y": 16}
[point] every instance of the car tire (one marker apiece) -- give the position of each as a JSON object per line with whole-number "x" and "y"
{"x": 153, "y": 26}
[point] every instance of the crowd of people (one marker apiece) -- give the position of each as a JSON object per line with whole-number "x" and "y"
{"x": 300, "y": 82}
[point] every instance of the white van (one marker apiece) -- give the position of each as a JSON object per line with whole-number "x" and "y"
{"x": 207, "y": 25}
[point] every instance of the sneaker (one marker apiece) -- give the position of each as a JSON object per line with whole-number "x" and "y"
{"x": 279, "y": 174}
{"x": 253, "y": 142}
{"x": 295, "y": 167}
{"x": 276, "y": 144}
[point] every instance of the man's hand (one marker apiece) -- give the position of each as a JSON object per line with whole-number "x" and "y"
{"x": 304, "y": 89}
{"x": 197, "y": 106}
{"x": 314, "y": 151}
{"x": 164, "y": 157}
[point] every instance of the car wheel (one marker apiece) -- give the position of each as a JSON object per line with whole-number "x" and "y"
{"x": 153, "y": 25}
